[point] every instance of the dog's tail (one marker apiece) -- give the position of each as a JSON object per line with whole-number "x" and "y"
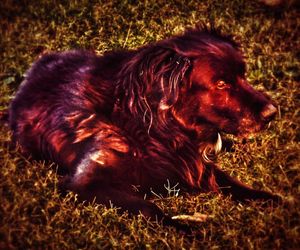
{"x": 4, "y": 121}
{"x": 4, "y": 117}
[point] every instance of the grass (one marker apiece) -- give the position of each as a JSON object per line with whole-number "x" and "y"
{"x": 34, "y": 215}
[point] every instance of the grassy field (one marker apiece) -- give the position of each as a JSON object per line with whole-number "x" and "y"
{"x": 33, "y": 215}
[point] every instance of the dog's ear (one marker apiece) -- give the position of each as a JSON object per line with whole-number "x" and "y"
{"x": 170, "y": 77}
{"x": 154, "y": 71}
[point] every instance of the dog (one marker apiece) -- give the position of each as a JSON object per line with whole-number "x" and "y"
{"x": 122, "y": 124}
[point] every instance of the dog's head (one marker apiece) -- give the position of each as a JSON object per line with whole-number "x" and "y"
{"x": 198, "y": 78}
{"x": 215, "y": 95}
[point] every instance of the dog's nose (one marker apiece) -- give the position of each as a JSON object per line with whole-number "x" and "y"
{"x": 268, "y": 112}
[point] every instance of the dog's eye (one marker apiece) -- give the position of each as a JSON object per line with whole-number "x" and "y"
{"x": 221, "y": 84}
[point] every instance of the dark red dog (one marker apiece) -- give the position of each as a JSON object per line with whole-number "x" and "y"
{"x": 125, "y": 123}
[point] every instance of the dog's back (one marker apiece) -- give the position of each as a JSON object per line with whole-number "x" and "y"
{"x": 54, "y": 88}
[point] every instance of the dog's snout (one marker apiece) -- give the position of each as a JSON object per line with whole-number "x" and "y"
{"x": 268, "y": 112}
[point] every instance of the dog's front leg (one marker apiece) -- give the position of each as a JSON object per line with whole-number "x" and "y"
{"x": 101, "y": 187}
{"x": 240, "y": 191}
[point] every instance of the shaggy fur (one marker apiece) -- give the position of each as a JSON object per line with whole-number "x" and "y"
{"x": 124, "y": 124}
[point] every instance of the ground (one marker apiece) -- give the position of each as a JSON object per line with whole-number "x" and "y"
{"x": 34, "y": 215}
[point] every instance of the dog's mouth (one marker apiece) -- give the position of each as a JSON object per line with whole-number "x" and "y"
{"x": 248, "y": 130}
{"x": 245, "y": 128}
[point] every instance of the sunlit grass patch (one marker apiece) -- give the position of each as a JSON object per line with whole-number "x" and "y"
{"x": 34, "y": 214}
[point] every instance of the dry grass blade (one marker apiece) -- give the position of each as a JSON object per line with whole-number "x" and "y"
{"x": 196, "y": 217}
